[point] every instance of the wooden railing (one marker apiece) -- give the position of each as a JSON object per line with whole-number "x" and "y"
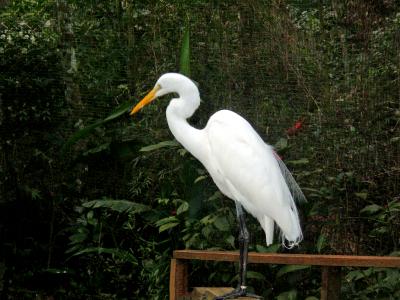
{"x": 330, "y": 266}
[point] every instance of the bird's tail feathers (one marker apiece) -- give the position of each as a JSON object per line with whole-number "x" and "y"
{"x": 295, "y": 236}
{"x": 294, "y": 188}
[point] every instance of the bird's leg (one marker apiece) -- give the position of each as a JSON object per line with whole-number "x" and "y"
{"x": 243, "y": 246}
{"x": 243, "y": 255}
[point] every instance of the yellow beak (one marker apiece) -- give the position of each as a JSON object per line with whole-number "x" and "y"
{"x": 146, "y": 100}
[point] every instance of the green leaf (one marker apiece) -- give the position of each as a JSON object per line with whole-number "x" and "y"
{"x": 117, "y": 205}
{"x": 90, "y": 214}
{"x": 97, "y": 149}
{"x": 270, "y": 249}
{"x": 290, "y": 295}
{"x": 119, "y": 253}
{"x": 380, "y": 230}
{"x": 200, "y": 178}
{"x": 207, "y": 230}
{"x": 291, "y": 268}
{"x": 185, "y": 53}
{"x": 395, "y": 139}
{"x": 355, "y": 275}
{"x": 207, "y": 219}
{"x": 167, "y": 220}
{"x": 167, "y": 226}
{"x": 182, "y": 208}
{"x": 302, "y": 161}
{"x": 160, "y": 145}
{"x": 119, "y": 111}
{"x": 216, "y": 196}
{"x": 35, "y": 194}
{"x": 84, "y": 132}
{"x": 231, "y": 241}
{"x": 371, "y": 209}
{"x": 255, "y": 275}
{"x": 321, "y": 243}
{"x": 78, "y": 238}
{"x": 394, "y": 205}
{"x": 221, "y": 223}
{"x": 281, "y": 144}
{"x": 362, "y": 195}
{"x": 395, "y": 253}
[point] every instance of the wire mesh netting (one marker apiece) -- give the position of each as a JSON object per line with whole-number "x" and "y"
{"x": 319, "y": 81}
{"x": 252, "y": 57}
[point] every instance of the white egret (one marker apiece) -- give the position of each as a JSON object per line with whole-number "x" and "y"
{"x": 241, "y": 164}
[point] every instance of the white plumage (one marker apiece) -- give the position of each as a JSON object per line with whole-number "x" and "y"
{"x": 241, "y": 164}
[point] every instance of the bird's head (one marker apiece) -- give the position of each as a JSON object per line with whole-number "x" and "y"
{"x": 167, "y": 83}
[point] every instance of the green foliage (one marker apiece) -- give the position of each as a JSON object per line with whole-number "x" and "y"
{"x": 25, "y": 39}
{"x": 94, "y": 240}
{"x": 185, "y": 53}
{"x": 86, "y": 131}
{"x": 290, "y": 268}
{"x": 385, "y": 219}
{"x": 69, "y": 70}
{"x": 290, "y": 295}
{"x": 372, "y": 283}
{"x": 158, "y": 146}
{"x": 118, "y": 205}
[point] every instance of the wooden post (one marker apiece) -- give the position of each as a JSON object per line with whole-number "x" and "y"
{"x": 331, "y": 283}
{"x": 178, "y": 280}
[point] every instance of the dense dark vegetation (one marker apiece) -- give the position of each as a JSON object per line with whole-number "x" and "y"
{"x": 98, "y": 216}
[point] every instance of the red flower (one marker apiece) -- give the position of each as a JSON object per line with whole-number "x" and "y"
{"x": 295, "y": 128}
{"x": 298, "y": 124}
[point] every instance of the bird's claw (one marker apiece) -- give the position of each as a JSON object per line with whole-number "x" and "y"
{"x": 236, "y": 293}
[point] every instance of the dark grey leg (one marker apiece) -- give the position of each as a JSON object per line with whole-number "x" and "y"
{"x": 243, "y": 245}
{"x": 243, "y": 256}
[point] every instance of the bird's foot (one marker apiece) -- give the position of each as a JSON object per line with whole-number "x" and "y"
{"x": 238, "y": 292}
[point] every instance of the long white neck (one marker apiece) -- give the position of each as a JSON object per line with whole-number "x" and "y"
{"x": 178, "y": 111}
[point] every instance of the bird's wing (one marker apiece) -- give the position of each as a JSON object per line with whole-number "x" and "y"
{"x": 241, "y": 156}
{"x": 251, "y": 172}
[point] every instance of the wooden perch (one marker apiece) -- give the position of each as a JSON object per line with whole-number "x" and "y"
{"x": 331, "y": 267}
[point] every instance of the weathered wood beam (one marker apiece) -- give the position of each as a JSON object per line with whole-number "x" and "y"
{"x": 293, "y": 259}
{"x": 331, "y": 283}
{"x": 178, "y": 280}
